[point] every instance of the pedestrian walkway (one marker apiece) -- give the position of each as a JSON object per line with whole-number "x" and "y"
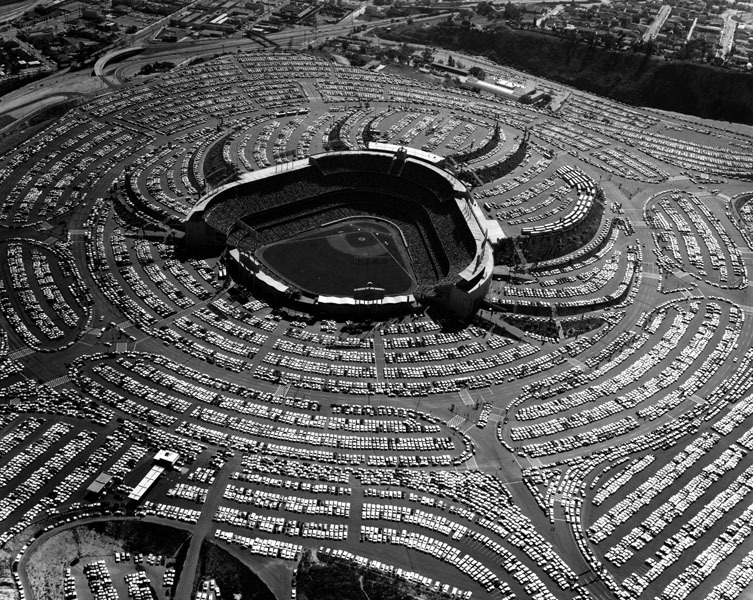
{"x": 58, "y": 381}
{"x": 465, "y": 396}
{"x": 455, "y": 422}
{"x": 379, "y": 360}
{"x": 16, "y": 354}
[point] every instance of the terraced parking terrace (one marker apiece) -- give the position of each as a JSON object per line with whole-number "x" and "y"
{"x": 582, "y": 429}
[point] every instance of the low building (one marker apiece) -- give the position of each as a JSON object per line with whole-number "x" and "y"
{"x": 146, "y": 483}
{"x": 167, "y": 458}
{"x": 509, "y": 91}
{"x": 99, "y": 486}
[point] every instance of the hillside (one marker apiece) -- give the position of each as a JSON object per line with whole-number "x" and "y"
{"x": 634, "y": 78}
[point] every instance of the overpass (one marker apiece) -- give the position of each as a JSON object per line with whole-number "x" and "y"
{"x": 119, "y": 54}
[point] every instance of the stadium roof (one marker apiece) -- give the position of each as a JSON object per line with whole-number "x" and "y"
{"x": 344, "y": 300}
{"x": 428, "y": 160}
{"x": 414, "y": 152}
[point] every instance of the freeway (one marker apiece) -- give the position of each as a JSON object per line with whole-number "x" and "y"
{"x": 78, "y": 82}
{"x": 655, "y": 27}
{"x": 15, "y": 10}
{"x": 298, "y": 37}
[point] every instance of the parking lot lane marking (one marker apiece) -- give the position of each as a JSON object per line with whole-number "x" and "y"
{"x": 465, "y": 396}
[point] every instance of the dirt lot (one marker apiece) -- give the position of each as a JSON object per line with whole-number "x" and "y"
{"x": 84, "y": 544}
{"x": 51, "y": 556}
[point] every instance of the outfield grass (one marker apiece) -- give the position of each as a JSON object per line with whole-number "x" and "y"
{"x": 335, "y": 259}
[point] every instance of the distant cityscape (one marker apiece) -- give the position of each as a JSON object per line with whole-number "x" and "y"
{"x": 72, "y": 34}
{"x": 699, "y": 31}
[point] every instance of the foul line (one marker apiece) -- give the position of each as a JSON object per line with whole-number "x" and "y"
{"x": 392, "y": 256}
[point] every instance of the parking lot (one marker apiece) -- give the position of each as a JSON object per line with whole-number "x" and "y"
{"x": 586, "y": 435}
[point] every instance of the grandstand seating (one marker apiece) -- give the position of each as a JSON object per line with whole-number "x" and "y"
{"x": 418, "y": 201}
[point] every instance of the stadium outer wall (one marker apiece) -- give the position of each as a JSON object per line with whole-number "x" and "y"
{"x": 461, "y": 292}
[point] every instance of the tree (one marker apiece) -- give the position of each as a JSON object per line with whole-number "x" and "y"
{"x": 483, "y": 9}
{"x": 477, "y": 72}
{"x": 512, "y": 12}
{"x": 406, "y": 51}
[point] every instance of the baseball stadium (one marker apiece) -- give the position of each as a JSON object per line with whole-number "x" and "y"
{"x": 385, "y": 227}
